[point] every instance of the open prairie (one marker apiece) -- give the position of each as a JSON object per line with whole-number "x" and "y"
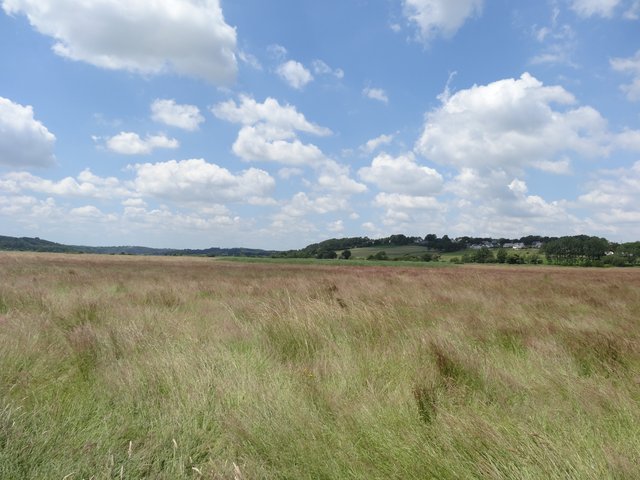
{"x": 164, "y": 368}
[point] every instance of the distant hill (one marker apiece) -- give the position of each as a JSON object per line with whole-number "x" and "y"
{"x": 27, "y": 244}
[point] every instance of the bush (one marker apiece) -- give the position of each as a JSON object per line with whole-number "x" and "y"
{"x": 382, "y": 255}
{"x": 330, "y": 254}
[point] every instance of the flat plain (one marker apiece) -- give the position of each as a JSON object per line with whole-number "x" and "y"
{"x": 164, "y": 368}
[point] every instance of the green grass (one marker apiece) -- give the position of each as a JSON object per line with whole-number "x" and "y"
{"x": 165, "y": 368}
{"x": 392, "y": 251}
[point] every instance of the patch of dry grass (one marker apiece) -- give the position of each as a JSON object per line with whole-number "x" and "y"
{"x": 134, "y": 367}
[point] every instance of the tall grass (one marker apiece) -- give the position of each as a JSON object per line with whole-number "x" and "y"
{"x": 129, "y": 367}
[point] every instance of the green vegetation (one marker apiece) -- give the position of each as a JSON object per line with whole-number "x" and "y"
{"x": 533, "y": 250}
{"x": 577, "y": 250}
{"x": 167, "y": 368}
{"x": 26, "y": 244}
{"x": 393, "y": 252}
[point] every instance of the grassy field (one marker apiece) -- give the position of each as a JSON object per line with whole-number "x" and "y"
{"x": 392, "y": 251}
{"x": 131, "y": 367}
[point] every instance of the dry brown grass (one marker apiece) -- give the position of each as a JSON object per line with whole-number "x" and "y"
{"x": 176, "y": 367}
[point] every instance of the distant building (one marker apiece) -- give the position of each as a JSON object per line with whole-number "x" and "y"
{"x": 514, "y": 245}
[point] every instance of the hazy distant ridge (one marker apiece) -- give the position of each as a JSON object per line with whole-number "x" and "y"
{"x": 39, "y": 245}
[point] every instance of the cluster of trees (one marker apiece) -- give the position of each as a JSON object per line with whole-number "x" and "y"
{"x": 591, "y": 251}
{"x": 624, "y": 254}
{"x": 431, "y": 241}
{"x": 424, "y": 257}
{"x": 570, "y": 250}
{"x": 576, "y": 250}
{"x": 486, "y": 255}
{"x": 323, "y": 249}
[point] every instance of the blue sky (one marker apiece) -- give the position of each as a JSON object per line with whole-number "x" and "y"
{"x": 197, "y": 123}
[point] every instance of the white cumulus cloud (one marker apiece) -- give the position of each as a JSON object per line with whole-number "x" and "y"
{"x": 440, "y": 17}
{"x": 295, "y": 74}
{"x": 263, "y": 142}
{"x": 401, "y": 175}
{"x": 335, "y": 178}
{"x": 24, "y": 141}
{"x": 269, "y": 131}
{"x": 170, "y": 113}
{"x": 250, "y": 112}
{"x": 399, "y": 201}
{"x": 511, "y": 124}
{"x": 375, "y": 143}
{"x": 188, "y": 37}
{"x": 196, "y": 180}
{"x": 376, "y": 94}
{"x": 129, "y": 143}
{"x": 631, "y": 66}
{"x": 86, "y": 184}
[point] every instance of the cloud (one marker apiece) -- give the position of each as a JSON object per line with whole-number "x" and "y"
{"x": 376, "y": 94}
{"x": 269, "y": 131}
{"x": 24, "y": 141}
{"x": 511, "y": 124}
{"x": 263, "y": 142}
{"x": 628, "y": 140}
{"x": 321, "y": 68}
{"x": 87, "y": 211}
{"x": 399, "y": 201}
{"x": 287, "y": 173}
{"x": 336, "y": 227}
{"x": 250, "y": 60}
{"x": 295, "y": 74}
{"x": 170, "y": 113}
{"x": 440, "y": 17}
{"x": 23, "y": 209}
{"x": 410, "y": 213}
{"x": 633, "y": 12}
{"x": 558, "y": 167}
{"x": 375, "y": 143}
{"x": 196, "y": 180}
{"x": 250, "y": 112}
{"x": 129, "y": 143}
{"x": 335, "y": 178}
{"x": 401, "y": 175}
{"x": 589, "y": 8}
{"x": 86, "y": 184}
{"x": 629, "y": 65}
{"x": 612, "y": 198}
{"x": 175, "y": 221}
{"x": 497, "y": 194}
{"x": 559, "y": 42}
{"x": 277, "y": 52}
{"x": 618, "y": 189}
{"x": 301, "y": 204}
{"x": 188, "y": 37}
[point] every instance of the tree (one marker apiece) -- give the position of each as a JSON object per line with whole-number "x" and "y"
{"x": 382, "y": 255}
{"x": 330, "y": 254}
{"x": 484, "y": 255}
{"x": 579, "y": 249}
{"x": 346, "y": 254}
{"x": 501, "y": 255}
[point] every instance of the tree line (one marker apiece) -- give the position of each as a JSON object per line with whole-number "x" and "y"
{"x": 568, "y": 250}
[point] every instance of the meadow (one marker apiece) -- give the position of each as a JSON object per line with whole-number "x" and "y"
{"x": 115, "y": 367}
